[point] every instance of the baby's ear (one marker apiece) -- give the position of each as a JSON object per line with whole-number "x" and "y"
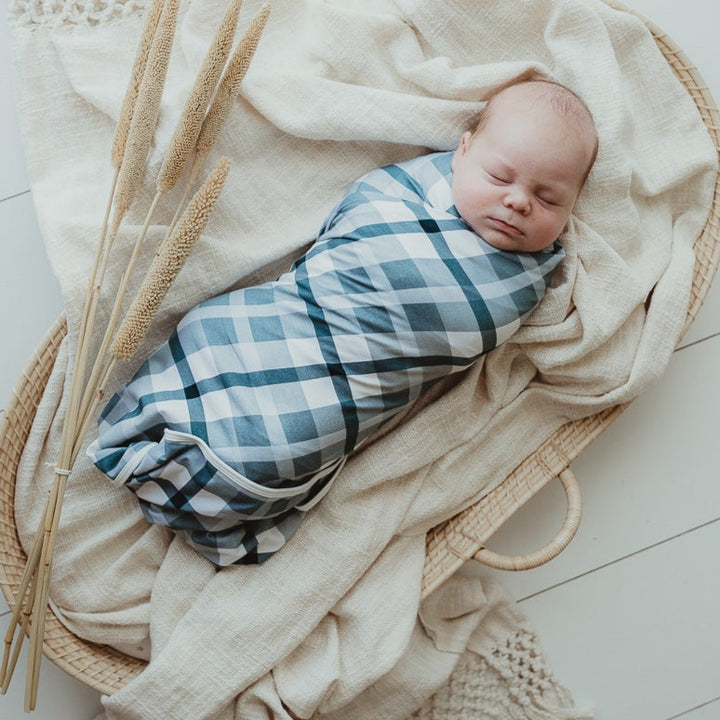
{"x": 465, "y": 141}
{"x": 461, "y": 148}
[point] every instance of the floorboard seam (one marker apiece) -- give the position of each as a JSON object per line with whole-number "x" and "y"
{"x": 620, "y": 559}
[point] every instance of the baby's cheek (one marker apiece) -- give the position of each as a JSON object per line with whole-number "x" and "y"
{"x": 463, "y": 203}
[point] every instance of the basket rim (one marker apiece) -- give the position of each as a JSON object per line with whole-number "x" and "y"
{"x": 98, "y": 666}
{"x": 449, "y": 544}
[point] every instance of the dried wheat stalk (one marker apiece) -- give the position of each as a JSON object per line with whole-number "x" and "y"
{"x": 131, "y": 146}
{"x": 139, "y": 138}
{"x": 188, "y": 128}
{"x": 162, "y": 273}
{"x": 184, "y": 138}
{"x": 129, "y": 155}
{"x": 224, "y": 98}
{"x": 168, "y": 263}
{"x": 230, "y": 83}
{"x": 117, "y": 153}
{"x": 147, "y": 109}
{"x": 138, "y": 72}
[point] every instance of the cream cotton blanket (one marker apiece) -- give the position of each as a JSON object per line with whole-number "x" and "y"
{"x": 332, "y": 626}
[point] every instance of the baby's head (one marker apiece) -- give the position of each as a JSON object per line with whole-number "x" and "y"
{"x": 517, "y": 175}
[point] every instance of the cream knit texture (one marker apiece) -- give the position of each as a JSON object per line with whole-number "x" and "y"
{"x": 332, "y": 627}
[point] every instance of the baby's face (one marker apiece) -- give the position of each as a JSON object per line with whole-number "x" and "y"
{"x": 516, "y": 181}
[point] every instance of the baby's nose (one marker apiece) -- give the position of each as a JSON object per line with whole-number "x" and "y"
{"x": 517, "y": 199}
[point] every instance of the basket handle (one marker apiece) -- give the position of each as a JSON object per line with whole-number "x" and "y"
{"x": 555, "y": 546}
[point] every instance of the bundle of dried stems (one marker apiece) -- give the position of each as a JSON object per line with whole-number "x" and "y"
{"x": 206, "y": 108}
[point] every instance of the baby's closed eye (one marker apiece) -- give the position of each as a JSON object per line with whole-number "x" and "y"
{"x": 548, "y": 201}
{"x": 497, "y": 177}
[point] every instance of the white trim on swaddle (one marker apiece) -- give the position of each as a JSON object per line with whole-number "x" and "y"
{"x": 243, "y": 482}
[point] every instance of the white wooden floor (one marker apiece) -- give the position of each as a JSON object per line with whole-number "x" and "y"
{"x": 630, "y": 613}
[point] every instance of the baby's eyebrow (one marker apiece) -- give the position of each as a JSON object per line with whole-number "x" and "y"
{"x": 499, "y": 167}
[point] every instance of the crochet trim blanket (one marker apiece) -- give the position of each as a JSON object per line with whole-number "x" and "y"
{"x": 337, "y": 88}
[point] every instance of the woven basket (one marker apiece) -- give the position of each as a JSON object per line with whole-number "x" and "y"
{"x": 449, "y": 545}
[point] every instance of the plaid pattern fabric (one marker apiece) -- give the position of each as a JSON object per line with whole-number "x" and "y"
{"x": 237, "y": 423}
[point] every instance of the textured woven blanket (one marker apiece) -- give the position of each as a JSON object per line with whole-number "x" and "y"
{"x": 232, "y": 429}
{"x": 332, "y": 626}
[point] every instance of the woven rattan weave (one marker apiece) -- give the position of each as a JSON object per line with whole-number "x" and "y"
{"x": 448, "y": 546}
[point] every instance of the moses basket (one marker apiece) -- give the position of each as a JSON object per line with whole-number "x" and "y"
{"x": 449, "y": 545}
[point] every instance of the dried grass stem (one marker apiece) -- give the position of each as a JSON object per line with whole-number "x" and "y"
{"x": 147, "y": 109}
{"x": 190, "y": 122}
{"x": 197, "y": 130}
{"x": 128, "y": 107}
{"x": 232, "y": 77}
{"x": 222, "y": 103}
{"x": 168, "y": 263}
{"x": 102, "y": 359}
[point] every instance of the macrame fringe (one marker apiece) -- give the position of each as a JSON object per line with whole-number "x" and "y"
{"x": 33, "y": 14}
{"x": 512, "y": 682}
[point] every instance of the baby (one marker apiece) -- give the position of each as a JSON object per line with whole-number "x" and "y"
{"x": 517, "y": 176}
{"x": 238, "y": 424}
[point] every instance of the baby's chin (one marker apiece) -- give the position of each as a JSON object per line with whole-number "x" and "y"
{"x": 509, "y": 242}
{"x": 497, "y": 239}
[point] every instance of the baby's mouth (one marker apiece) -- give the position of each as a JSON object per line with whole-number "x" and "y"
{"x": 506, "y": 227}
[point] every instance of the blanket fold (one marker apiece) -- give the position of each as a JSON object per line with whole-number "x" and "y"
{"x": 317, "y": 110}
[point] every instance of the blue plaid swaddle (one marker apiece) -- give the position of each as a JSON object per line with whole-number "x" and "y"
{"x": 240, "y": 421}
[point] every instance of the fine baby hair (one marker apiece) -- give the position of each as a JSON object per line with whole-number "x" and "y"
{"x": 555, "y": 95}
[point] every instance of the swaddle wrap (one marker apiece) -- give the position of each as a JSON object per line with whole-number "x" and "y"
{"x": 328, "y": 627}
{"x": 239, "y": 422}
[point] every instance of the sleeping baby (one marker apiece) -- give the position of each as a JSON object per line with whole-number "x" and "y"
{"x": 238, "y": 424}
